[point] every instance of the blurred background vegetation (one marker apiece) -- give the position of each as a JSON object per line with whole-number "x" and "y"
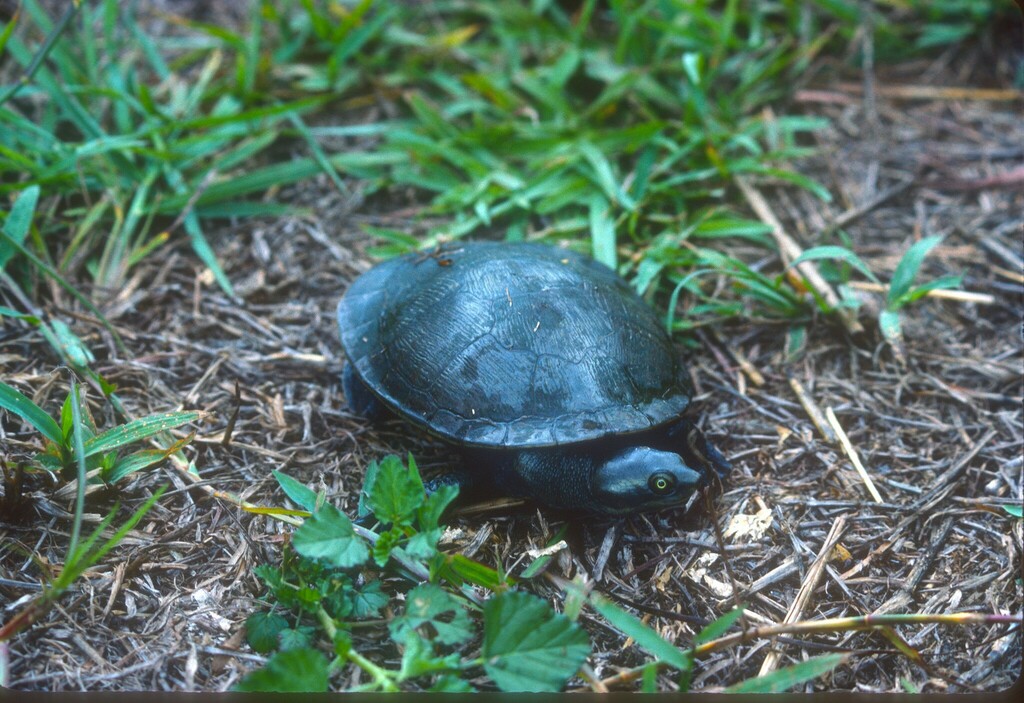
{"x": 619, "y": 127}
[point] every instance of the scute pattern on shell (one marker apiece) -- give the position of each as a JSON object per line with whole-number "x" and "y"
{"x": 511, "y": 344}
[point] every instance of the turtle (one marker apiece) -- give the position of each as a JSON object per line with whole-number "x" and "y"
{"x": 553, "y": 378}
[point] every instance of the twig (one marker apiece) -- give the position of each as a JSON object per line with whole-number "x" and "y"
{"x": 790, "y": 250}
{"x": 856, "y": 213}
{"x": 927, "y": 92}
{"x": 925, "y": 504}
{"x": 962, "y": 296}
{"x": 745, "y": 366}
{"x": 596, "y": 684}
{"x": 787, "y": 567}
{"x": 748, "y": 368}
{"x": 906, "y": 593}
{"x": 996, "y": 247}
{"x": 812, "y": 409}
{"x": 852, "y": 454}
{"x": 810, "y": 583}
{"x": 860, "y": 622}
{"x": 607, "y": 543}
{"x": 1008, "y": 179}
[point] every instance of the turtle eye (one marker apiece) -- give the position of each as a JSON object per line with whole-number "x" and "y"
{"x": 661, "y": 483}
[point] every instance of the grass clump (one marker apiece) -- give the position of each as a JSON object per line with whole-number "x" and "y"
{"x": 614, "y": 127}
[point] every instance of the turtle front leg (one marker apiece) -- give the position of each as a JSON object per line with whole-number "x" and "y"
{"x": 696, "y": 450}
{"x": 468, "y": 484}
{"x": 361, "y": 399}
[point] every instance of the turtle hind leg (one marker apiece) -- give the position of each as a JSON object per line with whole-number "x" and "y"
{"x": 361, "y": 399}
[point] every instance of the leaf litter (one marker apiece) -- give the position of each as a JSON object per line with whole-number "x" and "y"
{"x": 942, "y": 437}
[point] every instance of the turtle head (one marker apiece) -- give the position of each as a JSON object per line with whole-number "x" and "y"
{"x": 642, "y": 478}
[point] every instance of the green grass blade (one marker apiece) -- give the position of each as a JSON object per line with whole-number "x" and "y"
{"x": 918, "y": 292}
{"x": 718, "y": 627}
{"x": 78, "y": 442}
{"x": 48, "y": 270}
{"x": 836, "y": 252}
{"x": 6, "y": 33}
{"x": 125, "y": 466}
{"x": 19, "y": 221}
{"x": 13, "y": 400}
{"x": 318, "y": 154}
{"x": 40, "y": 56}
{"x": 203, "y": 250}
{"x": 137, "y": 430}
{"x": 602, "y": 231}
{"x": 648, "y": 639}
{"x": 906, "y": 271}
{"x": 790, "y": 676}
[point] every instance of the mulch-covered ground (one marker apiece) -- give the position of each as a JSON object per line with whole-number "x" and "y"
{"x": 941, "y": 437}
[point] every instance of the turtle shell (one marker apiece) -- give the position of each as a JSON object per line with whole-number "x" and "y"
{"x": 511, "y": 345}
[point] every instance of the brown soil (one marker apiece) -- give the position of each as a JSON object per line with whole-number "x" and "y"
{"x": 941, "y": 438}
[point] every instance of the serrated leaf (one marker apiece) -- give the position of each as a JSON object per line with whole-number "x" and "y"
{"x": 137, "y": 430}
{"x": 906, "y": 270}
{"x": 294, "y": 671}
{"x": 528, "y": 646}
{"x": 423, "y": 545}
{"x": 449, "y": 683}
{"x": 369, "y": 600}
{"x": 395, "y": 493}
{"x": 429, "y": 514}
{"x": 328, "y": 535}
{"x": 429, "y": 603}
{"x": 384, "y": 545}
{"x": 419, "y": 659}
{"x": 790, "y": 676}
{"x": 296, "y": 638}
{"x": 270, "y": 575}
{"x": 12, "y": 399}
{"x": 302, "y": 495}
{"x": 262, "y": 630}
{"x": 645, "y": 637}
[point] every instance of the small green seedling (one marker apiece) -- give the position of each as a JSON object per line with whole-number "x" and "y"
{"x": 902, "y": 290}
{"x": 101, "y": 451}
